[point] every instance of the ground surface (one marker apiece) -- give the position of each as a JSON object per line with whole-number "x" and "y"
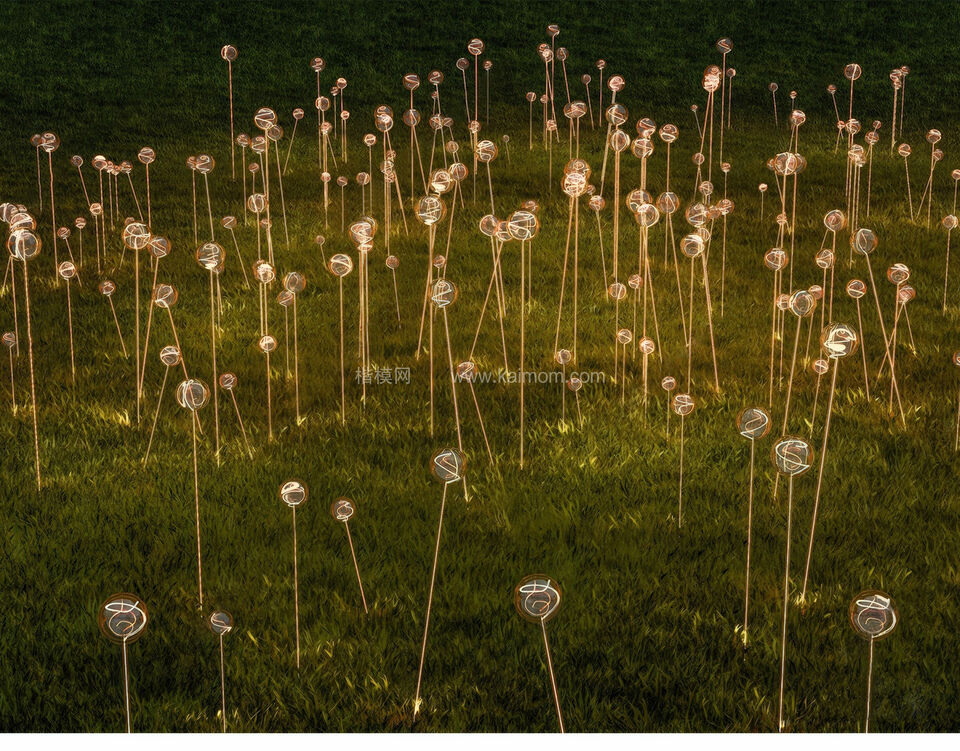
{"x": 647, "y": 639}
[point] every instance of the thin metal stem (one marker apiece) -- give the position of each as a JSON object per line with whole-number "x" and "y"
{"x": 196, "y": 497}
{"x": 156, "y": 414}
{"x": 223, "y": 688}
{"x": 33, "y": 386}
{"x": 553, "y": 680}
{"x": 356, "y": 567}
{"x": 823, "y": 458}
{"x": 746, "y": 589}
{"x": 866, "y": 724}
{"x": 296, "y": 586}
{"x": 426, "y": 622}
{"x": 786, "y": 597}
{"x": 126, "y": 683}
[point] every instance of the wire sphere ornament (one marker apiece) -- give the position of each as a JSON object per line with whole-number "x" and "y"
{"x": 220, "y": 622}
{"x": 447, "y": 465}
{"x": 839, "y": 340}
{"x": 294, "y": 493}
{"x": 753, "y": 423}
{"x": 792, "y": 456}
{"x": 123, "y": 618}
{"x": 537, "y": 598}
{"x": 342, "y": 509}
{"x": 873, "y": 614}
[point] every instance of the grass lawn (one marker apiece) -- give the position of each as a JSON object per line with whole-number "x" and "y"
{"x": 648, "y": 635}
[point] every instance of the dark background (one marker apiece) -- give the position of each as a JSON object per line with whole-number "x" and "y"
{"x": 124, "y": 73}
